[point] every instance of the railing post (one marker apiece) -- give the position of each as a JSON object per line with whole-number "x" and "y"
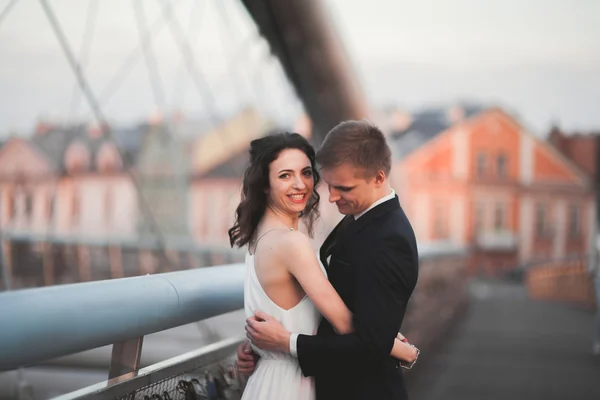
{"x": 115, "y": 256}
{"x": 5, "y": 262}
{"x": 125, "y": 357}
{"x": 146, "y": 262}
{"x": 48, "y": 264}
{"x": 83, "y": 263}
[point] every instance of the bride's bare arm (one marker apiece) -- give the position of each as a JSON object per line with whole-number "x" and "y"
{"x": 301, "y": 261}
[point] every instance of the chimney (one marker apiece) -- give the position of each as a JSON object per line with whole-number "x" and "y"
{"x": 455, "y": 114}
{"x": 400, "y": 120}
{"x": 155, "y": 118}
{"x": 94, "y": 131}
{"x": 42, "y": 128}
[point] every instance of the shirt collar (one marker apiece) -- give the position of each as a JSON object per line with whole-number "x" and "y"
{"x": 378, "y": 202}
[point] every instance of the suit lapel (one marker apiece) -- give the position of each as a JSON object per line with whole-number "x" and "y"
{"x": 329, "y": 243}
{"x": 373, "y": 214}
{"x": 338, "y": 235}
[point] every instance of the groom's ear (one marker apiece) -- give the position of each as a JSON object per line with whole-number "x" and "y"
{"x": 379, "y": 178}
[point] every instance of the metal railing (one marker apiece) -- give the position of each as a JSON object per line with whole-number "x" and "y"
{"x": 167, "y": 377}
{"x": 43, "y": 323}
{"x": 36, "y": 260}
{"x": 567, "y": 280}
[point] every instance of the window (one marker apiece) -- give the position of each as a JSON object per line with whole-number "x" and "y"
{"x": 108, "y": 206}
{"x": 12, "y": 210}
{"x": 479, "y": 215}
{"x": 28, "y": 205}
{"x": 574, "y": 221}
{"x": 108, "y": 159}
{"x": 77, "y": 158}
{"x": 439, "y": 223}
{"x": 75, "y": 207}
{"x": 541, "y": 223}
{"x": 499, "y": 217}
{"x": 481, "y": 164}
{"x": 209, "y": 217}
{"x": 501, "y": 166}
{"x": 50, "y": 199}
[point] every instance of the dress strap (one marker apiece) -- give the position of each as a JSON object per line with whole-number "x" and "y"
{"x": 267, "y": 231}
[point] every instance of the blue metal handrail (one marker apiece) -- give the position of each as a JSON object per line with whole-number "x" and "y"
{"x": 43, "y": 323}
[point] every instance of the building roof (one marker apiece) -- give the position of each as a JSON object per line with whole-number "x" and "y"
{"x": 426, "y": 125}
{"x": 235, "y": 165}
{"x": 54, "y": 142}
{"x": 129, "y": 141}
{"x": 580, "y": 148}
{"x": 232, "y": 168}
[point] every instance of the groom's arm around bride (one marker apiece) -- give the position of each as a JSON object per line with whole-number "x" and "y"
{"x": 383, "y": 282}
{"x": 386, "y": 283}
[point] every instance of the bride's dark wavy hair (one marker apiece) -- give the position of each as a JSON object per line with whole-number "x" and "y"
{"x": 255, "y": 188}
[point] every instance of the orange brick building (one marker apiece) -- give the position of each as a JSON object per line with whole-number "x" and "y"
{"x": 488, "y": 184}
{"x": 583, "y": 149}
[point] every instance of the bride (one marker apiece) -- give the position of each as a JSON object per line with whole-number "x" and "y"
{"x": 284, "y": 278}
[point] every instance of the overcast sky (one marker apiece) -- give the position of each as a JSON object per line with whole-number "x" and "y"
{"x": 539, "y": 58}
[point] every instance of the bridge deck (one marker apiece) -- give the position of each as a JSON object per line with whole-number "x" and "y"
{"x": 509, "y": 347}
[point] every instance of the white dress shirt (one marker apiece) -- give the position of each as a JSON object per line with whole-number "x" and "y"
{"x": 294, "y": 336}
{"x": 378, "y": 202}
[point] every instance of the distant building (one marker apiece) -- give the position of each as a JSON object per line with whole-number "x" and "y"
{"x": 163, "y": 172}
{"x": 79, "y": 204}
{"x": 486, "y": 183}
{"x": 62, "y": 187}
{"x": 69, "y": 181}
{"x": 583, "y": 149}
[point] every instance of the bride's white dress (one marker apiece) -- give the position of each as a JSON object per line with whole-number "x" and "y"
{"x": 278, "y": 376}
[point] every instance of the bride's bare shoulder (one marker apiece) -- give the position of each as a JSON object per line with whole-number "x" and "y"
{"x": 293, "y": 243}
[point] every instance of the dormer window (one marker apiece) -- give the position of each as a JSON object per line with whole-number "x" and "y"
{"x": 77, "y": 158}
{"x": 108, "y": 158}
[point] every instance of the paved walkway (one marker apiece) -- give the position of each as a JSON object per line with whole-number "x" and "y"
{"x": 509, "y": 347}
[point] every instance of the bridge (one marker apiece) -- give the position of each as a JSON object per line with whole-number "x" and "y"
{"x": 480, "y": 339}
{"x": 96, "y": 325}
{"x": 511, "y": 346}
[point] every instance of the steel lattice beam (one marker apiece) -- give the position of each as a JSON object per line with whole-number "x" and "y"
{"x": 302, "y": 36}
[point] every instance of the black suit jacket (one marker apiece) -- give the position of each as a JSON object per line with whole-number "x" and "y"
{"x": 374, "y": 268}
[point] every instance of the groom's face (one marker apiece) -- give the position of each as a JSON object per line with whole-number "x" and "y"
{"x": 349, "y": 189}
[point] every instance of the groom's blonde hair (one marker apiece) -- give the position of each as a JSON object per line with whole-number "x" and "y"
{"x": 359, "y": 143}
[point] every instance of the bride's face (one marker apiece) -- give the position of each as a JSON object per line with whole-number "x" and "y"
{"x": 290, "y": 181}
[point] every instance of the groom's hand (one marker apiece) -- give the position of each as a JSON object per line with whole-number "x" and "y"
{"x": 267, "y": 333}
{"x": 246, "y": 358}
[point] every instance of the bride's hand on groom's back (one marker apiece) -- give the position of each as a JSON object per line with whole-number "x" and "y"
{"x": 246, "y": 358}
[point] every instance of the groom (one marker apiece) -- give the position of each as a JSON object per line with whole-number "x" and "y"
{"x": 371, "y": 260}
